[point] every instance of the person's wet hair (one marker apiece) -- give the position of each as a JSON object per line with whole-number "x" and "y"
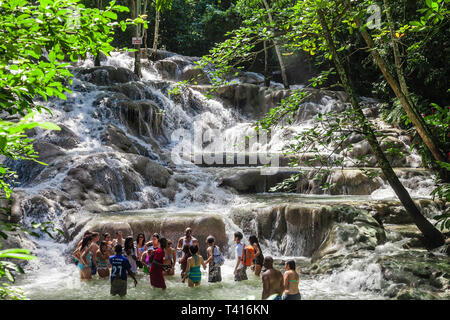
{"x": 210, "y": 239}
{"x": 85, "y": 241}
{"x": 94, "y": 234}
{"x": 106, "y": 235}
{"x": 291, "y": 264}
{"x": 193, "y": 249}
{"x": 238, "y": 235}
{"x": 87, "y": 233}
{"x": 268, "y": 262}
{"x": 129, "y": 243}
{"x": 103, "y": 244}
{"x": 118, "y": 249}
{"x": 253, "y": 239}
{"x": 156, "y": 235}
{"x": 163, "y": 243}
{"x": 143, "y": 238}
{"x": 188, "y": 230}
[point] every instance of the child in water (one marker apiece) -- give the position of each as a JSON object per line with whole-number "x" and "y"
{"x": 193, "y": 272}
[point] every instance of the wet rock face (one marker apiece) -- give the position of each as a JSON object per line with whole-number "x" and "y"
{"x": 354, "y": 229}
{"x": 142, "y": 117}
{"x": 101, "y": 181}
{"x": 251, "y": 180}
{"x": 311, "y": 230}
{"x": 169, "y": 227}
{"x": 107, "y": 75}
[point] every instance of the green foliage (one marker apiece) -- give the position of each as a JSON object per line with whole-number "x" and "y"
{"x": 37, "y": 39}
{"x": 192, "y": 27}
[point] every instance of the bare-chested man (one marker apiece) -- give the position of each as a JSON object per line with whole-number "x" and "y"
{"x": 272, "y": 280}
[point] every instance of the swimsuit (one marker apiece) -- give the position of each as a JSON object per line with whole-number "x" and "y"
{"x": 259, "y": 259}
{"x": 195, "y": 275}
{"x": 82, "y": 266}
{"x": 101, "y": 264}
{"x": 168, "y": 257}
{"x": 296, "y": 296}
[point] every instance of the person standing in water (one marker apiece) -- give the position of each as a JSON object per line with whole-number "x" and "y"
{"x": 157, "y": 267}
{"x": 170, "y": 258}
{"x": 84, "y": 261}
{"x": 188, "y": 239}
{"x": 193, "y": 272}
{"x": 140, "y": 248}
{"x": 259, "y": 257}
{"x": 290, "y": 279}
{"x": 94, "y": 249}
{"x": 120, "y": 268}
{"x": 272, "y": 280}
{"x": 240, "y": 270}
{"x": 214, "y": 260}
{"x": 119, "y": 239}
{"x": 76, "y": 253}
{"x": 103, "y": 260}
{"x": 107, "y": 239}
{"x": 130, "y": 253}
{"x": 147, "y": 257}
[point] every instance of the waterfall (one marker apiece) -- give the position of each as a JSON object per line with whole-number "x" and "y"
{"x": 125, "y": 158}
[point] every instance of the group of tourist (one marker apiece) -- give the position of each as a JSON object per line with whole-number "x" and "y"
{"x": 117, "y": 258}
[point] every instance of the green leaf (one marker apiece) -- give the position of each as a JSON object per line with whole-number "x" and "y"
{"x": 49, "y": 126}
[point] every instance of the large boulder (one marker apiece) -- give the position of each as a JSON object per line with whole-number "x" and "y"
{"x": 253, "y": 181}
{"x": 310, "y": 230}
{"x": 100, "y": 181}
{"x": 169, "y": 226}
{"x": 107, "y": 75}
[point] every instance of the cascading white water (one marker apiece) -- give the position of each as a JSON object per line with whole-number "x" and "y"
{"x": 51, "y": 277}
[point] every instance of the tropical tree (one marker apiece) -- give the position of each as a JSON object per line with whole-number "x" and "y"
{"x": 314, "y": 26}
{"x": 160, "y": 7}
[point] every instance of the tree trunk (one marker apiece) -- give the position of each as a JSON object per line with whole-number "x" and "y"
{"x": 397, "y": 59}
{"x": 432, "y": 235}
{"x": 155, "y": 38}
{"x": 414, "y": 116}
{"x": 266, "y": 66}
{"x": 97, "y": 60}
{"x": 277, "y": 50}
{"x": 137, "y": 55}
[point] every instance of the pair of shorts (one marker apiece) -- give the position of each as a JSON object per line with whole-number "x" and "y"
{"x": 214, "y": 274}
{"x": 118, "y": 286}
{"x": 296, "y": 296}
{"x": 241, "y": 274}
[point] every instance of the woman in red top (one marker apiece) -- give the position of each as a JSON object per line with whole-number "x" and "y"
{"x": 157, "y": 268}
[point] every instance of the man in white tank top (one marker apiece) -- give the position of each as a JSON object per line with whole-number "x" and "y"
{"x": 188, "y": 239}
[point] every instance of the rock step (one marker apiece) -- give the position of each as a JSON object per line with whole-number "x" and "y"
{"x": 348, "y": 181}
{"x": 170, "y": 225}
